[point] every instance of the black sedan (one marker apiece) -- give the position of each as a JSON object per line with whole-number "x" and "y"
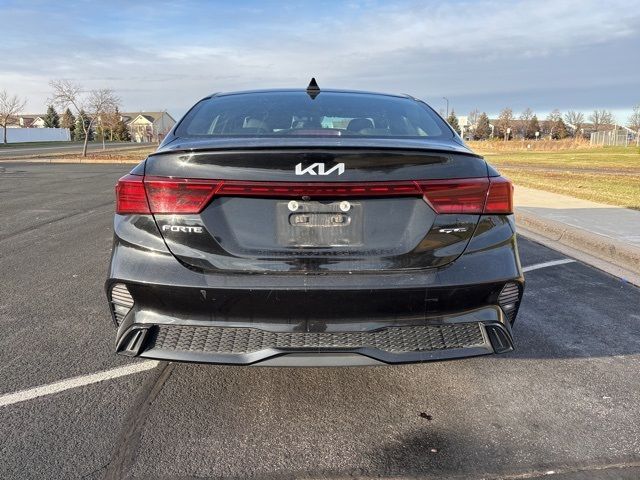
{"x": 313, "y": 227}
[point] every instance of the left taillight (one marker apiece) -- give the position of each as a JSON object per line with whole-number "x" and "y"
{"x": 130, "y": 196}
{"x": 139, "y": 195}
{"x": 179, "y": 195}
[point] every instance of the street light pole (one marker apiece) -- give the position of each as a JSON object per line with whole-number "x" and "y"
{"x": 445, "y": 98}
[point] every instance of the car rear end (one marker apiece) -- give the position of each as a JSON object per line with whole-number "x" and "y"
{"x": 276, "y": 228}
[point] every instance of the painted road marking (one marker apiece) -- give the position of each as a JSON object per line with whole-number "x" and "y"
{"x": 547, "y": 264}
{"x": 75, "y": 382}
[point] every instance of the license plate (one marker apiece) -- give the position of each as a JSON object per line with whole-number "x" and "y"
{"x": 320, "y": 225}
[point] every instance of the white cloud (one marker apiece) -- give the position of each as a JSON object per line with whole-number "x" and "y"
{"x": 455, "y": 49}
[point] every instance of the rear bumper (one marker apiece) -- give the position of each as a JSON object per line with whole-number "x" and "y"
{"x": 175, "y": 313}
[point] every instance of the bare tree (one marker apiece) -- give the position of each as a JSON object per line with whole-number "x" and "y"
{"x": 472, "y": 119}
{"x": 554, "y": 115}
{"x": 599, "y": 118}
{"x": 634, "y": 120}
{"x": 552, "y": 121}
{"x": 109, "y": 121}
{"x": 525, "y": 122}
{"x": 575, "y": 120}
{"x": 10, "y": 106}
{"x": 505, "y": 119}
{"x": 95, "y": 103}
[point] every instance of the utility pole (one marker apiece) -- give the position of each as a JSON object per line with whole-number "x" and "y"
{"x": 102, "y": 128}
{"x": 445, "y": 98}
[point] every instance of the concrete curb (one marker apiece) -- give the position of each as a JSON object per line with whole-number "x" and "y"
{"x": 608, "y": 254}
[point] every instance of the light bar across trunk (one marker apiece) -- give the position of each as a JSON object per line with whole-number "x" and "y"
{"x": 145, "y": 195}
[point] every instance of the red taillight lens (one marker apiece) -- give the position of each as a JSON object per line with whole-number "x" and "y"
{"x": 500, "y": 196}
{"x": 183, "y": 195}
{"x": 456, "y": 196}
{"x": 130, "y": 195}
{"x": 190, "y": 196}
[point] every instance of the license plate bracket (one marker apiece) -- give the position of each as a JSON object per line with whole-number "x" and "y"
{"x": 314, "y": 224}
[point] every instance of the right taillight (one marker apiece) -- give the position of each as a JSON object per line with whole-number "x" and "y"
{"x": 500, "y": 196}
{"x": 464, "y": 195}
{"x": 492, "y": 195}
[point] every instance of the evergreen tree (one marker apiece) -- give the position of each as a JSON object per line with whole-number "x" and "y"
{"x": 121, "y": 132}
{"x": 453, "y": 121}
{"x": 118, "y": 128}
{"x": 79, "y": 129}
{"x": 483, "y": 129}
{"x": 78, "y": 132}
{"x": 533, "y": 127}
{"x": 560, "y": 131}
{"x": 52, "y": 119}
{"x": 68, "y": 121}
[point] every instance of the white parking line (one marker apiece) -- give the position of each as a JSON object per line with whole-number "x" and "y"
{"x": 547, "y": 264}
{"x": 75, "y": 382}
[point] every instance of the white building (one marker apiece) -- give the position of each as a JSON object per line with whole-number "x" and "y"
{"x": 148, "y": 126}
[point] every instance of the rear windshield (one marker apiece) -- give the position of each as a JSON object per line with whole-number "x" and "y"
{"x": 296, "y": 113}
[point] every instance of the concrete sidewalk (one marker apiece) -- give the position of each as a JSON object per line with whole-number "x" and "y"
{"x": 605, "y": 236}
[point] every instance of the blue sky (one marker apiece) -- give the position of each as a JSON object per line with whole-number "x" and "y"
{"x": 480, "y": 54}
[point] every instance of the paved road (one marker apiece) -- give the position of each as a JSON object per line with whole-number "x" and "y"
{"x": 567, "y": 400}
{"x": 17, "y": 152}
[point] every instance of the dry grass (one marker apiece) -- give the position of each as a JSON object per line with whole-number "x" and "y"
{"x": 497, "y": 145}
{"x": 611, "y": 159}
{"x": 620, "y": 190}
{"x": 608, "y": 175}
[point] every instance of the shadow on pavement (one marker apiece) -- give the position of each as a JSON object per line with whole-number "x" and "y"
{"x": 450, "y": 419}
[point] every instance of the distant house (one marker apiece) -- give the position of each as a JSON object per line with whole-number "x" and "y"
{"x": 30, "y": 121}
{"x": 467, "y": 128}
{"x": 148, "y": 126}
{"x": 143, "y": 126}
{"x": 26, "y": 121}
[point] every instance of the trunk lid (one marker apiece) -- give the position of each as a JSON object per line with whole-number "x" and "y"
{"x": 282, "y": 207}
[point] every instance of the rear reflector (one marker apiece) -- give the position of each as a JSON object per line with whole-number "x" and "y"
{"x": 191, "y": 196}
{"x": 121, "y": 302}
{"x": 509, "y": 300}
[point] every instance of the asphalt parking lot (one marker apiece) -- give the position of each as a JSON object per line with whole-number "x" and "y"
{"x": 566, "y": 401}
